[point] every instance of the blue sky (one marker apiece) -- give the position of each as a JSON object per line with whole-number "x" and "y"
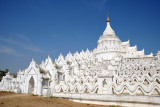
{"x": 38, "y": 28}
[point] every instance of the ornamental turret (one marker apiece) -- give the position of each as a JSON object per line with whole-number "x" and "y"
{"x": 158, "y": 55}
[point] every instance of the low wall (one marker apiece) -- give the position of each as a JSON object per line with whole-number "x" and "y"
{"x": 120, "y": 100}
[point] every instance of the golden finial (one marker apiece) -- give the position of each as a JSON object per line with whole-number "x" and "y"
{"x": 108, "y": 20}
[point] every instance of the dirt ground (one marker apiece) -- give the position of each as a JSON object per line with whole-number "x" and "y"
{"x": 9, "y": 99}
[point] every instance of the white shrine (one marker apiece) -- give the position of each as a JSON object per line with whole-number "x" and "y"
{"x": 114, "y": 73}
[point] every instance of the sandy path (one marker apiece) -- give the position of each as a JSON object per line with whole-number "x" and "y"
{"x": 12, "y": 96}
{"x": 8, "y": 99}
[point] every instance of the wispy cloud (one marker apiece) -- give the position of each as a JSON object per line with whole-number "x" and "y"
{"x": 27, "y": 45}
{"x": 23, "y": 37}
{"x": 7, "y": 50}
{"x": 33, "y": 48}
{"x": 8, "y": 40}
{"x": 22, "y": 42}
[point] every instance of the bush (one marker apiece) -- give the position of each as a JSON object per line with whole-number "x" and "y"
{"x": 34, "y": 95}
{"x": 2, "y": 102}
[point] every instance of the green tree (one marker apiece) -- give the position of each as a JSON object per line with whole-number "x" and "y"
{"x": 3, "y": 73}
{"x": 7, "y": 70}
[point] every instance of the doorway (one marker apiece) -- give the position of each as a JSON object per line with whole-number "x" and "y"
{"x": 31, "y": 85}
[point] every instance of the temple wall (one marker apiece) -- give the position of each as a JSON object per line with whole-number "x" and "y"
{"x": 132, "y": 77}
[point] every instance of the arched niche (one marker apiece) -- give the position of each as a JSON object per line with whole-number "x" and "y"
{"x": 32, "y": 82}
{"x": 31, "y": 85}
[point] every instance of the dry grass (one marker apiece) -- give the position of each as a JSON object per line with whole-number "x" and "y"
{"x": 9, "y": 99}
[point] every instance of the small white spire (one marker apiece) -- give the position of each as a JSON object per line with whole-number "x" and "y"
{"x": 108, "y": 29}
{"x": 87, "y": 50}
{"x": 69, "y": 52}
{"x": 33, "y": 60}
{"x": 60, "y": 54}
{"x": 82, "y": 51}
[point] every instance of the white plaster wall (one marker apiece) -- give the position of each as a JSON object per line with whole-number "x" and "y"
{"x": 106, "y": 55}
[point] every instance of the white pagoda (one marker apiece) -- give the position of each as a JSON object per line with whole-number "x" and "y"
{"x": 110, "y": 46}
{"x": 114, "y": 73}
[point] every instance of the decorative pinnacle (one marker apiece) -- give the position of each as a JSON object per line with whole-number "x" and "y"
{"x": 108, "y": 20}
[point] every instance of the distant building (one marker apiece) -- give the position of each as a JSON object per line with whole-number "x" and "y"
{"x": 113, "y": 73}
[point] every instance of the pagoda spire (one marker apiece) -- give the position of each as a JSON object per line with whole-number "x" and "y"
{"x": 108, "y": 29}
{"x": 108, "y": 20}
